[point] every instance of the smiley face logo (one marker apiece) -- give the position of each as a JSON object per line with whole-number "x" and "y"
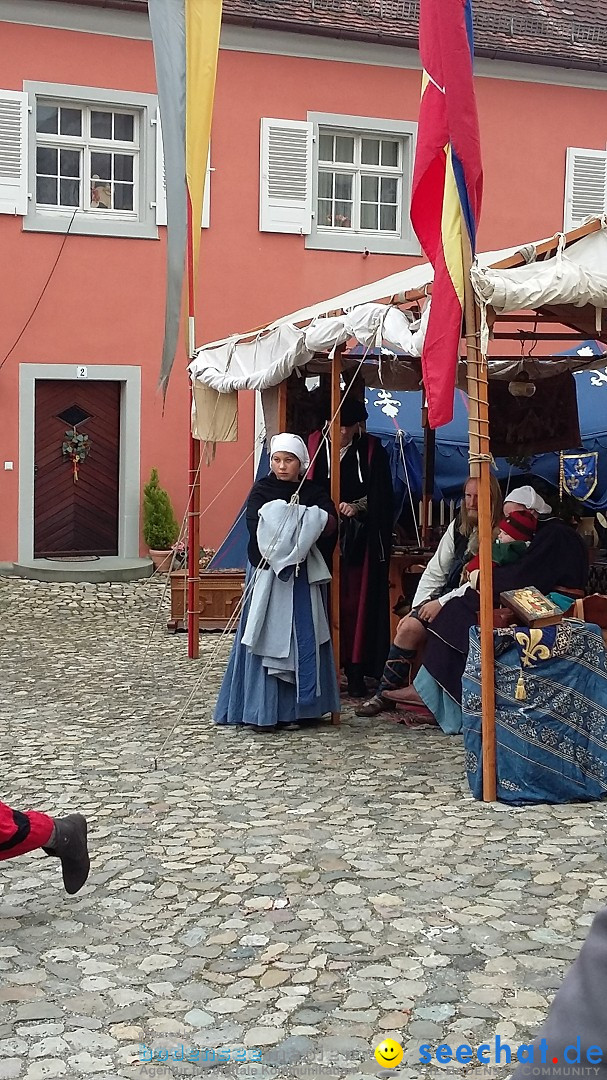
{"x": 389, "y": 1053}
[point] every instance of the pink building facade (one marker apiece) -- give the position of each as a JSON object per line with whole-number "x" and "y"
{"x": 310, "y": 170}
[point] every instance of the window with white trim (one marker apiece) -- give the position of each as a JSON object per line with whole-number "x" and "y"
{"x": 87, "y": 158}
{"x": 343, "y": 182}
{"x": 362, "y": 172}
{"x": 91, "y": 161}
{"x": 360, "y": 182}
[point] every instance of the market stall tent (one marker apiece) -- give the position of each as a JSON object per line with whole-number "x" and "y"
{"x": 391, "y": 411}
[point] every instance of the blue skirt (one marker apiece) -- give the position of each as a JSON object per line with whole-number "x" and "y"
{"x": 249, "y": 695}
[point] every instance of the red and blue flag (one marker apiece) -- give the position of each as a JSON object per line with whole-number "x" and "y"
{"x": 447, "y": 187}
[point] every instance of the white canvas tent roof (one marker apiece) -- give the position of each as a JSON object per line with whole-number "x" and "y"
{"x": 526, "y": 277}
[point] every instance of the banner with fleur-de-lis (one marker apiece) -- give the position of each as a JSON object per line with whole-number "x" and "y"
{"x": 579, "y": 474}
{"x": 535, "y": 644}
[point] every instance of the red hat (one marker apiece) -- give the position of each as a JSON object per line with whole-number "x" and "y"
{"x": 520, "y": 525}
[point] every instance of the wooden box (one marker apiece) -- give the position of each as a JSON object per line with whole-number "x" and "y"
{"x": 220, "y": 593}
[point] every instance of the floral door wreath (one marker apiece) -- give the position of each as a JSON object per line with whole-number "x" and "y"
{"x": 75, "y": 448}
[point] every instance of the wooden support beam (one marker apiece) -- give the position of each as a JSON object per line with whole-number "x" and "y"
{"x": 531, "y": 335}
{"x": 478, "y": 392}
{"x": 282, "y": 406}
{"x": 194, "y": 551}
{"x": 428, "y": 481}
{"x": 335, "y": 495}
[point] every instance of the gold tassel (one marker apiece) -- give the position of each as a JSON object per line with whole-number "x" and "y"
{"x": 520, "y": 692}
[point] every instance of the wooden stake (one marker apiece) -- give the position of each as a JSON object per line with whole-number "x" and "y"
{"x": 428, "y": 482}
{"x": 194, "y": 551}
{"x": 478, "y": 393}
{"x": 335, "y": 495}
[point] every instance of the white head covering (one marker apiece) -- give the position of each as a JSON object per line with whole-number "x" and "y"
{"x": 291, "y": 444}
{"x": 526, "y": 496}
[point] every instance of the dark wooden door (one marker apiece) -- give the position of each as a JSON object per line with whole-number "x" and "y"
{"x": 76, "y": 516}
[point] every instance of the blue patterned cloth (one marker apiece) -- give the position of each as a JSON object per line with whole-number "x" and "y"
{"x": 551, "y": 740}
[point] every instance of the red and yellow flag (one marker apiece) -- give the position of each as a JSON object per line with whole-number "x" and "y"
{"x": 447, "y": 187}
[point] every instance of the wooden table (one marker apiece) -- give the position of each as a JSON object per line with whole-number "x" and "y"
{"x": 220, "y": 594}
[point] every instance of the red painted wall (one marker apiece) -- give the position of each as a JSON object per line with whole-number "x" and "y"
{"x": 105, "y": 303}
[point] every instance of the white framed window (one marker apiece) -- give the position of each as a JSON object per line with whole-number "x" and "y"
{"x": 361, "y": 184}
{"x": 585, "y": 186}
{"x": 92, "y": 161}
{"x": 87, "y": 158}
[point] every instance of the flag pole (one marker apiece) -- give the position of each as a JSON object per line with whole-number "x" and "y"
{"x": 480, "y": 467}
{"x": 336, "y": 498}
{"x": 194, "y": 477}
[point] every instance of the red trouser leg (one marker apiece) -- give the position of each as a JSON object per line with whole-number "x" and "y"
{"x": 22, "y": 831}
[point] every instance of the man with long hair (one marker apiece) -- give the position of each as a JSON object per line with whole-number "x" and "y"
{"x": 440, "y": 582}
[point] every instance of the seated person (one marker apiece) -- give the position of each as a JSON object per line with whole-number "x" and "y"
{"x": 556, "y": 558}
{"x": 440, "y": 582}
{"x": 515, "y": 533}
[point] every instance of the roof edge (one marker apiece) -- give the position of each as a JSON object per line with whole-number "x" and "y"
{"x": 407, "y": 41}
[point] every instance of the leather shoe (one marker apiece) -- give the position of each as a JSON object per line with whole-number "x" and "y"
{"x": 374, "y": 707}
{"x": 70, "y": 847}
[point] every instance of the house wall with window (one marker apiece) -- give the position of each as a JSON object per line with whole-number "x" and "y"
{"x": 309, "y": 178}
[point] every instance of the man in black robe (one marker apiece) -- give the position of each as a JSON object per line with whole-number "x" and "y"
{"x": 366, "y": 516}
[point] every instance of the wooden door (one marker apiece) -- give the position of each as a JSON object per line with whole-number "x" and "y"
{"x": 76, "y": 512}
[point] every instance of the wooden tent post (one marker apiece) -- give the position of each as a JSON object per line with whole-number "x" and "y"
{"x": 428, "y": 481}
{"x": 194, "y": 551}
{"x": 282, "y": 407}
{"x": 480, "y": 466}
{"x": 335, "y": 496}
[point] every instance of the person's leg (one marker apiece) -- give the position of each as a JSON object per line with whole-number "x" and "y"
{"x": 22, "y": 831}
{"x": 410, "y": 637}
{"x": 65, "y": 838}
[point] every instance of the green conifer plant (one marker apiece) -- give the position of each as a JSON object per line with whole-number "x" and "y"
{"x": 160, "y": 528}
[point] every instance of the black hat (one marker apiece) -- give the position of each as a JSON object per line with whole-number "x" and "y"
{"x": 352, "y": 412}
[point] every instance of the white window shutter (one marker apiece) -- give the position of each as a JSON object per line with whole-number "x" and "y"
{"x": 585, "y": 185}
{"x": 285, "y": 189}
{"x": 161, "y": 187}
{"x": 13, "y": 152}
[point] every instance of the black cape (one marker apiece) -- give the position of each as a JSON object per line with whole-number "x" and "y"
{"x": 365, "y": 470}
{"x": 556, "y": 556}
{"x": 310, "y": 494}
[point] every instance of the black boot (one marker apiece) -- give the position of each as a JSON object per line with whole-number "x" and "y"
{"x": 68, "y": 843}
{"x": 397, "y": 669}
{"x": 356, "y": 682}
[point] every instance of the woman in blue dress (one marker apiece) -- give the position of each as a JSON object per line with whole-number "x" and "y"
{"x": 281, "y": 669}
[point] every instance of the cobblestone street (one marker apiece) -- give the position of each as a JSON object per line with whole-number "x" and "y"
{"x": 304, "y": 894}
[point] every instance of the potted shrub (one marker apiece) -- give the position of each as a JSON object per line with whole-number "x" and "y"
{"x": 160, "y": 528}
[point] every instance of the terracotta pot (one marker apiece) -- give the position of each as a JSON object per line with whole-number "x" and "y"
{"x": 161, "y": 559}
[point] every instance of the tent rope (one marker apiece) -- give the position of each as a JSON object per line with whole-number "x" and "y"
{"x": 399, "y": 436}
{"x": 235, "y": 616}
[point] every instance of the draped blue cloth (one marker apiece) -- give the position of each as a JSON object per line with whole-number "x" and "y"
{"x": 551, "y": 745}
{"x": 249, "y": 695}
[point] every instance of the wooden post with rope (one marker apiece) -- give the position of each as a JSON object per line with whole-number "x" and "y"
{"x": 194, "y": 551}
{"x": 194, "y": 484}
{"x": 335, "y": 496}
{"x": 428, "y": 481}
{"x": 480, "y": 467}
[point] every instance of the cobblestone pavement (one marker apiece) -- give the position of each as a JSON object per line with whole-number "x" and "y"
{"x": 307, "y": 894}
